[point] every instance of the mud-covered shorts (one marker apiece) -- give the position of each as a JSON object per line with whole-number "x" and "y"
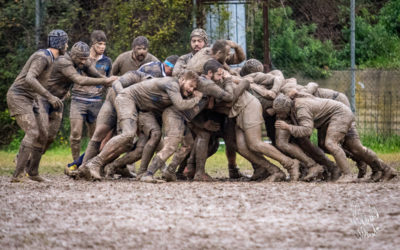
{"x": 250, "y": 116}
{"x": 339, "y": 123}
{"x": 148, "y": 122}
{"x": 352, "y": 133}
{"x": 86, "y": 110}
{"x": 19, "y": 104}
{"x": 45, "y": 106}
{"x": 173, "y": 123}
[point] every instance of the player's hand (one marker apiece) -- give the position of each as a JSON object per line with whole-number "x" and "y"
{"x": 234, "y": 73}
{"x": 55, "y": 102}
{"x": 232, "y": 44}
{"x": 110, "y": 80}
{"x": 270, "y": 111}
{"x": 198, "y": 94}
{"x": 270, "y": 94}
{"x": 281, "y": 125}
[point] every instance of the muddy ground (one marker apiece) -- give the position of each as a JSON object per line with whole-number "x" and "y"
{"x": 220, "y": 215}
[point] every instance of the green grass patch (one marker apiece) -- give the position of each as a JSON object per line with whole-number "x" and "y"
{"x": 380, "y": 143}
{"x": 54, "y": 161}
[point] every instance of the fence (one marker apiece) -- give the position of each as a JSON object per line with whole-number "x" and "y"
{"x": 378, "y": 112}
{"x": 377, "y": 98}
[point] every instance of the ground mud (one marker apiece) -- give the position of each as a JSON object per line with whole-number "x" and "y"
{"x": 219, "y": 215}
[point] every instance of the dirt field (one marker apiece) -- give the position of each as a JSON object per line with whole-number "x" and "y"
{"x": 219, "y": 215}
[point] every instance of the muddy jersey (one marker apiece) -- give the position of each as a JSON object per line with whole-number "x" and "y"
{"x": 157, "y": 94}
{"x": 88, "y": 92}
{"x": 332, "y": 94}
{"x": 104, "y": 65}
{"x": 291, "y": 83}
{"x": 64, "y": 74}
{"x": 209, "y": 89}
{"x": 126, "y": 80}
{"x": 196, "y": 63}
{"x": 34, "y": 74}
{"x": 269, "y": 81}
{"x": 232, "y": 109}
{"x": 243, "y": 100}
{"x": 181, "y": 64}
{"x": 265, "y": 103}
{"x": 155, "y": 69}
{"x": 125, "y": 62}
{"x": 313, "y": 112}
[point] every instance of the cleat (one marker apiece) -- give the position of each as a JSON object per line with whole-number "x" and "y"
{"x": 202, "y": 177}
{"x": 313, "y": 172}
{"x": 168, "y": 175}
{"x": 345, "y": 178}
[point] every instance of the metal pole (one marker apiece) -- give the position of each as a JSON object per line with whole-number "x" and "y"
{"x": 353, "y": 56}
{"x": 194, "y": 14}
{"x": 37, "y": 22}
{"x": 267, "y": 63}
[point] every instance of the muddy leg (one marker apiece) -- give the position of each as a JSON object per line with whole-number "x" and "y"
{"x": 275, "y": 174}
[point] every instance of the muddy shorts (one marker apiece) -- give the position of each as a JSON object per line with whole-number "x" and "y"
{"x": 337, "y": 124}
{"x": 86, "y": 110}
{"x": 45, "y": 107}
{"x": 148, "y": 122}
{"x": 331, "y": 94}
{"x": 250, "y": 116}
{"x": 21, "y": 104}
{"x": 173, "y": 123}
{"x": 341, "y": 123}
{"x": 352, "y": 133}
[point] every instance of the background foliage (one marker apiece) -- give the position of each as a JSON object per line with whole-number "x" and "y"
{"x": 310, "y": 37}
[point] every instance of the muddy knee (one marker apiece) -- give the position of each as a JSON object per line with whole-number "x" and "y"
{"x": 333, "y": 147}
{"x": 100, "y": 132}
{"x": 155, "y": 137}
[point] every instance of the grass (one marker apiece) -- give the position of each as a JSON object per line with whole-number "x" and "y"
{"x": 54, "y": 161}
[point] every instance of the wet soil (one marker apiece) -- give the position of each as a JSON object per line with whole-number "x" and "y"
{"x": 124, "y": 214}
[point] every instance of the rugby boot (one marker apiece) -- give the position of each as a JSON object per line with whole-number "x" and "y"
{"x": 362, "y": 169}
{"x": 23, "y": 178}
{"x": 313, "y": 172}
{"x": 260, "y": 173}
{"x": 94, "y": 167}
{"x": 234, "y": 172}
{"x": 276, "y": 174}
{"x": 23, "y": 157}
{"x": 148, "y": 178}
{"x": 388, "y": 172}
{"x": 37, "y": 178}
{"x": 125, "y": 172}
{"x": 189, "y": 171}
{"x": 32, "y": 169}
{"x": 335, "y": 174}
{"x": 168, "y": 174}
{"x": 202, "y": 177}
{"x": 345, "y": 178}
